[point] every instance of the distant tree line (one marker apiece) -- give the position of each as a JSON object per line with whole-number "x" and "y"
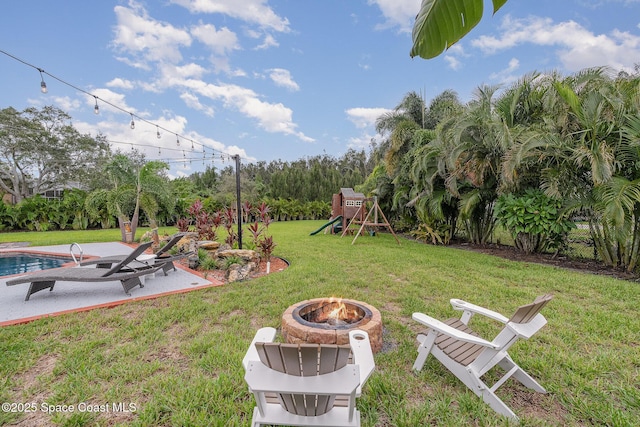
{"x": 40, "y": 152}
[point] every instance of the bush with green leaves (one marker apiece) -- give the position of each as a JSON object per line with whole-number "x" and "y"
{"x": 534, "y": 220}
{"x": 208, "y": 263}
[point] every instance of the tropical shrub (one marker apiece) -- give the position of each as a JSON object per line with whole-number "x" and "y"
{"x": 534, "y": 220}
{"x": 36, "y": 214}
{"x": 434, "y": 232}
{"x": 8, "y": 217}
{"x": 73, "y": 206}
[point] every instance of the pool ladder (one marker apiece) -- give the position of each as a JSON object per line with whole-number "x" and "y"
{"x": 73, "y": 255}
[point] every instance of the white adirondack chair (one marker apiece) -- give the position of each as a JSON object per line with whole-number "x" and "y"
{"x": 307, "y": 384}
{"x": 469, "y": 357}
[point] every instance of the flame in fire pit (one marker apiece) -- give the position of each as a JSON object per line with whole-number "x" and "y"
{"x": 340, "y": 314}
{"x": 333, "y": 311}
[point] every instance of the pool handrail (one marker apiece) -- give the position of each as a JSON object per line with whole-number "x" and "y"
{"x": 73, "y": 255}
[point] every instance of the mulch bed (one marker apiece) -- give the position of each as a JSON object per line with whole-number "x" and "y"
{"x": 511, "y": 253}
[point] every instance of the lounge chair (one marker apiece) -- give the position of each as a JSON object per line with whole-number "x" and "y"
{"x": 469, "y": 357}
{"x": 129, "y": 277}
{"x": 307, "y": 384}
{"x": 162, "y": 257}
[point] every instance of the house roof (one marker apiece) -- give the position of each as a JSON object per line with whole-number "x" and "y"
{"x": 350, "y": 194}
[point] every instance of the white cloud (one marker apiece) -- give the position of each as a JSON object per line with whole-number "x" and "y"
{"x": 507, "y": 75}
{"x": 363, "y": 117}
{"x": 269, "y": 41}
{"x": 398, "y": 13}
{"x": 271, "y": 117}
{"x": 106, "y": 97}
{"x": 120, "y": 83}
{"x": 193, "y": 101}
{"x": 120, "y": 136}
{"x": 454, "y": 63}
{"x": 151, "y": 44}
{"x": 222, "y": 64}
{"x": 282, "y": 78}
{"x": 251, "y": 11}
{"x": 221, "y": 41}
{"x": 361, "y": 142}
{"x": 187, "y": 71}
{"x": 146, "y": 39}
{"x": 67, "y": 104}
{"x": 577, "y": 47}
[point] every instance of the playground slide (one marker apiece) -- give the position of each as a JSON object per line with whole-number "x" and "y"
{"x": 333, "y": 221}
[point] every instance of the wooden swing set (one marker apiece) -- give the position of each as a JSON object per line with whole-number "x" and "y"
{"x": 363, "y": 220}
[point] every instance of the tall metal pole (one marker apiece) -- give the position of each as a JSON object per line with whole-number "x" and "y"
{"x": 238, "y": 202}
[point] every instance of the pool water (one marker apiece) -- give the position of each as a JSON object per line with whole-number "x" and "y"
{"x": 24, "y": 263}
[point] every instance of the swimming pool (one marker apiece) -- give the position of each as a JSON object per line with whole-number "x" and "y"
{"x": 17, "y": 263}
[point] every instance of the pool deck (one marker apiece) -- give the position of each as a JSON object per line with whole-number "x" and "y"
{"x": 69, "y": 297}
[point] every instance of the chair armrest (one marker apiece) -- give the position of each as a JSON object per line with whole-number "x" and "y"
{"x": 260, "y": 378}
{"x": 450, "y": 331}
{"x": 459, "y": 304}
{"x": 263, "y": 335}
{"x": 362, "y": 353}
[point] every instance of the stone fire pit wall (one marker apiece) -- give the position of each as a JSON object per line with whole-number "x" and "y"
{"x": 295, "y": 332}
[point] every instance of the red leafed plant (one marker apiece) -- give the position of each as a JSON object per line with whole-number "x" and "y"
{"x": 266, "y": 247}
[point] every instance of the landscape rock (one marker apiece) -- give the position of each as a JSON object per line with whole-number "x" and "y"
{"x": 210, "y": 246}
{"x": 238, "y": 272}
{"x": 246, "y": 255}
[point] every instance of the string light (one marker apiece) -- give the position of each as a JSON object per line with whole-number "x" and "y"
{"x": 96, "y": 110}
{"x": 43, "y": 85}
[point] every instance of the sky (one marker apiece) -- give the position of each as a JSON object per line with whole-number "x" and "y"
{"x": 275, "y": 80}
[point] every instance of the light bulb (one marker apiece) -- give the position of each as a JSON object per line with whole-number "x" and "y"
{"x": 43, "y": 85}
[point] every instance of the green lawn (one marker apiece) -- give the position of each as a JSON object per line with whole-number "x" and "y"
{"x": 47, "y": 238}
{"x": 178, "y": 358}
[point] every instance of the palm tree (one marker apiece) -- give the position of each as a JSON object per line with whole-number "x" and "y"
{"x": 135, "y": 186}
{"x": 584, "y": 149}
{"x": 398, "y": 125}
{"x": 434, "y": 205}
{"x": 478, "y": 140}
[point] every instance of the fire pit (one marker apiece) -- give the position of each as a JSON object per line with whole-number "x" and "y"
{"x": 329, "y": 320}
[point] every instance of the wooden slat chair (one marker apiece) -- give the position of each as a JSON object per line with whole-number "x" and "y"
{"x": 469, "y": 357}
{"x": 307, "y": 384}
